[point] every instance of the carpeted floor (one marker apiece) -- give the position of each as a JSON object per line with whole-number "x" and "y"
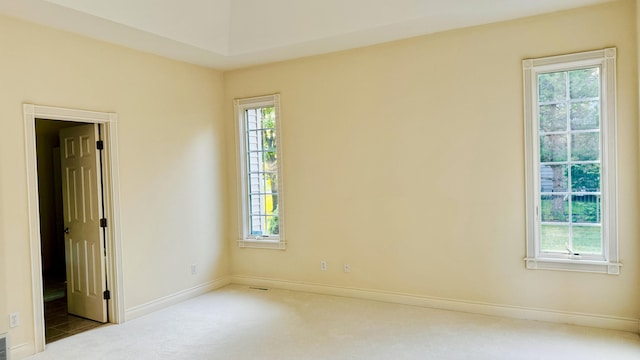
{"x": 237, "y": 322}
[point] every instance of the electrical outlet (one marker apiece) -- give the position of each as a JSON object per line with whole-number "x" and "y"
{"x": 323, "y": 265}
{"x": 347, "y": 268}
{"x": 14, "y": 319}
{"x": 194, "y": 269}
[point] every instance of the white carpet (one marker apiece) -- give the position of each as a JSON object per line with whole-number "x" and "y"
{"x": 237, "y": 322}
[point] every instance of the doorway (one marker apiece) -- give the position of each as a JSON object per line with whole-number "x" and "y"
{"x": 61, "y": 318}
{"x": 42, "y": 125}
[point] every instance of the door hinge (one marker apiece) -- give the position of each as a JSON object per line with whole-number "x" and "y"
{"x": 107, "y": 295}
{"x": 100, "y": 145}
{"x": 103, "y": 223}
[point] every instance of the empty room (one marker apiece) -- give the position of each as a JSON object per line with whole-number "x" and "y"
{"x": 319, "y": 179}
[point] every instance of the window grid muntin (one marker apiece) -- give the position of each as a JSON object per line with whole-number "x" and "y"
{"x": 568, "y": 101}
{"x": 259, "y": 230}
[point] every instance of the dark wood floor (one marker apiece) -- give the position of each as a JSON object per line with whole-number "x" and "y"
{"x": 59, "y": 324}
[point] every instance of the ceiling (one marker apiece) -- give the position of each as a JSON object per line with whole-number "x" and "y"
{"x": 227, "y": 34}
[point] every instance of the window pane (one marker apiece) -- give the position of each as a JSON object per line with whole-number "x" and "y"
{"x": 265, "y": 204}
{"x": 261, "y": 140}
{"x": 257, "y": 183}
{"x": 256, "y": 205}
{"x": 270, "y": 159}
{"x": 273, "y": 225}
{"x": 263, "y": 183}
{"x": 269, "y": 139}
{"x": 552, "y": 87}
{"x": 585, "y": 209}
{"x": 254, "y": 140}
{"x": 554, "y": 238}
{"x": 553, "y": 178}
{"x": 268, "y": 118}
{"x": 555, "y": 208}
{"x": 255, "y": 166}
{"x": 553, "y": 117}
{"x": 553, "y": 148}
{"x": 585, "y": 146}
{"x": 587, "y": 239}
{"x": 257, "y": 225}
{"x": 584, "y": 83}
{"x": 585, "y": 115}
{"x": 251, "y": 116}
{"x": 585, "y": 178}
{"x": 262, "y": 175}
{"x": 265, "y": 225}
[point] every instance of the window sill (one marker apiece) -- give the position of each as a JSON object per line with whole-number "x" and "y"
{"x": 602, "y": 267}
{"x": 262, "y": 244}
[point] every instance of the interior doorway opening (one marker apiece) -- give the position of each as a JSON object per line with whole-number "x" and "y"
{"x": 105, "y": 126}
{"x": 60, "y": 319}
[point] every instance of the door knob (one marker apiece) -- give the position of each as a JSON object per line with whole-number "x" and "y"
{"x": 66, "y": 230}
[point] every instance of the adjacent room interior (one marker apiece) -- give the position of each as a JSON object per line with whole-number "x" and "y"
{"x": 59, "y": 321}
{"x": 325, "y": 179}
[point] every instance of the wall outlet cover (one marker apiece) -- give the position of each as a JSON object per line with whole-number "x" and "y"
{"x": 14, "y": 319}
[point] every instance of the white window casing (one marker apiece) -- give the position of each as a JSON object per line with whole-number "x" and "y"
{"x": 256, "y": 194}
{"x": 606, "y": 260}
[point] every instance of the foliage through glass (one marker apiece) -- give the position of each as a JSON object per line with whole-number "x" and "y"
{"x": 262, "y": 171}
{"x": 570, "y": 156}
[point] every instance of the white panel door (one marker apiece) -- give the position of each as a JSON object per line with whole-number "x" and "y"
{"x": 82, "y": 203}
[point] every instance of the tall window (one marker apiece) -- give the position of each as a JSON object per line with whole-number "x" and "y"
{"x": 259, "y": 158}
{"x": 571, "y": 162}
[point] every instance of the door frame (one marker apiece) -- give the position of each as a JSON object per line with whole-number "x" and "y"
{"x": 111, "y": 197}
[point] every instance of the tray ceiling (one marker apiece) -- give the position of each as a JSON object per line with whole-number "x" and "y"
{"x": 227, "y": 34}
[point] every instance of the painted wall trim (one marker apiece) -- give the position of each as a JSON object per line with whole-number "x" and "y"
{"x": 515, "y": 312}
{"x": 21, "y": 351}
{"x": 166, "y": 301}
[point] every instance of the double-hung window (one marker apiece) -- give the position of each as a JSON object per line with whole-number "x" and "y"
{"x": 570, "y": 146}
{"x": 260, "y": 172}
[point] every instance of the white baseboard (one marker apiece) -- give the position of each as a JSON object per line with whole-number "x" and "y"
{"x": 516, "y": 312}
{"x": 163, "y": 302}
{"x": 21, "y": 351}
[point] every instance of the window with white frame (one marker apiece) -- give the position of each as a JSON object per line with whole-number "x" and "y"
{"x": 260, "y": 172}
{"x": 570, "y": 145}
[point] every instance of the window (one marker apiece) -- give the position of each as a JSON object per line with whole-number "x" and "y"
{"x": 570, "y": 151}
{"x": 260, "y": 172}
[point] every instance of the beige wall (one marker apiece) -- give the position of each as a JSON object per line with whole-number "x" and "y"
{"x": 406, "y": 160}
{"x": 172, "y": 160}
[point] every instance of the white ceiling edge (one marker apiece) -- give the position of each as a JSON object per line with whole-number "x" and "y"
{"x": 63, "y": 18}
{"x": 200, "y": 23}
